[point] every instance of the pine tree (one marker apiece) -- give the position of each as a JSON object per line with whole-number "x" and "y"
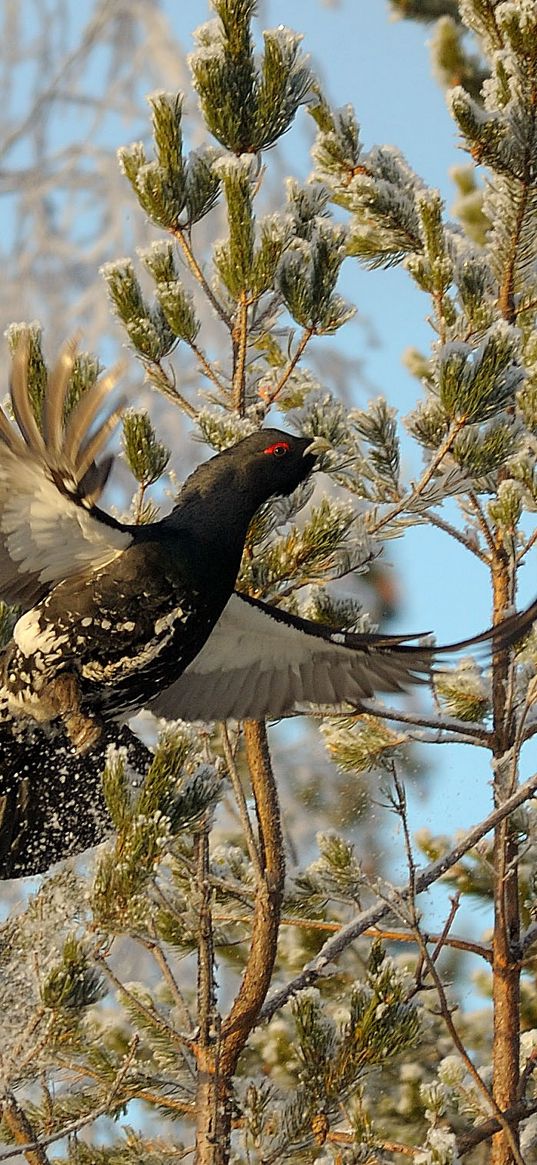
{"x": 270, "y": 1018}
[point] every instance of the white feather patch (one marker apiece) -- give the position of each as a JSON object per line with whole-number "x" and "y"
{"x": 31, "y": 638}
{"x": 46, "y": 533}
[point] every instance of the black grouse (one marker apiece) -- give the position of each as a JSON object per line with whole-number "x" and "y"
{"x": 118, "y": 617}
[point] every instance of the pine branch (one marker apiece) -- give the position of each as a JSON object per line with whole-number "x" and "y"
{"x": 34, "y": 1150}
{"x": 407, "y": 502}
{"x": 240, "y": 341}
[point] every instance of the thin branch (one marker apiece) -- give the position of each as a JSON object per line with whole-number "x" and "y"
{"x": 165, "y": 384}
{"x": 441, "y": 524}
{"x": 529, "y": 544}
{"x": 429, "y": 964}
{"x": 342, "y": 1138}
{"x": 270, "y": 395}
{"x": 445, "y": 1012}
{"x": 134, "y": 1092}
{"x": 387, "y": 935}
{"x": 527, "y": 1073}
{"x": 335, "y": 946}
{"x": 180, "y": 235}
{"x": 487, "y": 1129}
{"x": 207, "y": 367}
{"x": 154, "y": 1018}
{"x": 416, "y": 492}
{"x": 475, "y": 733}
{"x": 160, "y": 959}
{"x": 443, "y": 941}
{"x": 482, "y": 523}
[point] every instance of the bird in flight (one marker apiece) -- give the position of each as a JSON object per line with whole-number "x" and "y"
{"x": 118, "y": 617}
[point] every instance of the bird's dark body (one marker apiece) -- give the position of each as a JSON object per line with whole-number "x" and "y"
{"x": 124, "y": 632}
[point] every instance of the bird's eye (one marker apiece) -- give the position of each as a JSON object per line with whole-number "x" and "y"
{"x": 277, "y": 450}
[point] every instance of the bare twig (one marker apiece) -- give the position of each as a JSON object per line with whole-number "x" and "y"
{"x": 335, "y": 946}
{"x": 443, "y": 941}
{"x": 386, "y": 934}
{"x": 474, "y": 733}
{"x": 458, "y": 535}
{"x": 165, "y": 384}
{"x": 429, "y": 963}
{"x": 445, "y": 1012}
{"x": 484, "y": 1131}
{"x": 154, "y": 1018}
{"x": 186, "y": 1022}
{"x": 482, "y": 523}
{"x": 207, "y": 368}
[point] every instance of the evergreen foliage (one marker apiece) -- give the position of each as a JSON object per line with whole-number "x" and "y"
{"x": 357, "y": 1054}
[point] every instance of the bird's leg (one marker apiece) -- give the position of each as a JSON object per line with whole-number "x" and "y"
{"x": 62, "y": 696}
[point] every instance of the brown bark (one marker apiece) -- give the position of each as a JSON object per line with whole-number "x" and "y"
{"x": 213, "y": 1095}
{"x": 213, "y": 1106}
{"x": 506, "y": 939}
{"x": 267, "y": 910}
{"x": 19, "y": 1126}
{"x": 218, "y": 1051}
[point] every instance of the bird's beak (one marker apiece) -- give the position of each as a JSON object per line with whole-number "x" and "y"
{"x": 317, "y": 446}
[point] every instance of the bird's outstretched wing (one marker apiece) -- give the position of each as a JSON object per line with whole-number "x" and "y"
{"x": 49, "y": 483}
{"x": 262, "y": 662}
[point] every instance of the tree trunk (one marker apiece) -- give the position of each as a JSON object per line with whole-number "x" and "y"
{"x": 505, "y": 947}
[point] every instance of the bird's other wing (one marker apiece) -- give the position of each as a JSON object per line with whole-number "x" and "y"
{"x": 262, "y": 662}
{"x": 50, "y": 481}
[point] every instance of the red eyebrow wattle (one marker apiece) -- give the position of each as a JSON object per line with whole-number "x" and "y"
{"x": 277, "y": 445}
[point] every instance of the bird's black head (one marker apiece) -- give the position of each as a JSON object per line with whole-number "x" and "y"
{"x": 219, "y": 500}
{"x": 238, "y": 480}
{"x": 268, "y": 462}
